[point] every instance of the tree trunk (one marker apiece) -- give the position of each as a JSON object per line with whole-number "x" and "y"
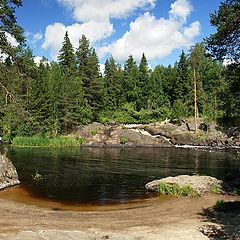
{"x": 195, "y": 100}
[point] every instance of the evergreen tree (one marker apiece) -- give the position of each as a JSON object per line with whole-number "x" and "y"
{"x": 143, "y": 84}
{"x": 113, "y": 92}
{"x": 130, "y": 80}
{"x": 224, "y": 44}
{"x": 40, "y": 99}
{"x": 89, "y": 71}
{"x": 157, "y": 97}
{"x": 66, "y": 57}
{"x": 183, "y": 83}
{"x": 9, "y": 26}
{"x": 72, "y": 92}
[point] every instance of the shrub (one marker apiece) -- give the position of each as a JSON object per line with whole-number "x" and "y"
{"x": 216, "y": 188}
{"x": 123, "y": 140}
{"x": 219, "y": 204}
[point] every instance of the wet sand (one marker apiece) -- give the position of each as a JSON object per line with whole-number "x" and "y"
{"x": 24, "y": 218}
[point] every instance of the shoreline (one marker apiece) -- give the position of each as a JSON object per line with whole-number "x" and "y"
{"x": 177, "y": 218}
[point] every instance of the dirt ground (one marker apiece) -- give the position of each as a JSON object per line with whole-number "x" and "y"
{"x": 145, "y": 219}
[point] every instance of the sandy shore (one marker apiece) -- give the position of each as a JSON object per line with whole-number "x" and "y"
{"x": 146, "y": 219}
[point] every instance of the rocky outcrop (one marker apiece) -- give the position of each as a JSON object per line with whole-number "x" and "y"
{"x": 8, "y": 173}
{"x": 201, "y": 184}
{"x": 161, "y": 134}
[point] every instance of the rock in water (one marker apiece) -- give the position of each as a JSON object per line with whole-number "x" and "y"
{"x": 8, "y": 173}
{"x": 201, "y": 184}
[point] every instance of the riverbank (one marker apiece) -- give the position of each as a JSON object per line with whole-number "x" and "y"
{"x": 168, "y": 133}
{"x": 176, "y": 218}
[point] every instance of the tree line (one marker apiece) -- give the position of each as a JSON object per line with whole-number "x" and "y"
{"x": 58, "y": 97}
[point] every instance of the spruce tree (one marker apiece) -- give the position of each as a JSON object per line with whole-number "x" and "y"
{"x": 89, "y": 71}
{"x": 71, "y": 98}
{"x": 183, "y": 83}
{"x": 113, "y": 89}
{"x": 143, "y": 84}
{"x": 66, "y": 57}
{"x": 130, "y": 80}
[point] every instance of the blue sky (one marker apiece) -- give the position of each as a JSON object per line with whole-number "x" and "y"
{"x": 159, "y": 28}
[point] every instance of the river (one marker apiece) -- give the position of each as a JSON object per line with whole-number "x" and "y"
{"x": 111, "y": 175}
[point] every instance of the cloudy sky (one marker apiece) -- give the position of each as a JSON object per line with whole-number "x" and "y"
{"x": 159, "y": 28}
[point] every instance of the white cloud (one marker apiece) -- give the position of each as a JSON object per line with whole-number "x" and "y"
{"x": 102, "y": 68}
{"x": 11, "y": 39}
{"x": 181, "y": 9}
{"x": 38, "y": 59}
{"x": 94, "y": 31}
{"x": 157, "y": 38}
{"x": 102, "y": 10}
{"x": 37, "y": 36}
{"x": 193, "y": 30}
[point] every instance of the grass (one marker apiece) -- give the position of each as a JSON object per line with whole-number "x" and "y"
{"x": 216, "y": 188}
{"x": 95, "y": 131}
{"x": 176, "y": 190}
{"x": 43, "y": 141}
{"x": 219, "y": 204}
{"x": 123, "y": 140}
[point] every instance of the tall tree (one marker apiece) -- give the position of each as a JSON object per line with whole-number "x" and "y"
{"x": 183, "y": 83}
{"x": 9, "y": 27}
{"x": 89, "y": 70}
{"x": 196, "y": 59}
{"x": 143, "y": 84}
{"x": 66, "y": 57}
{"x": 130, "y": 80}
{"x": 224, "y": 44}
{"x": 113, "y": 89}
{"x": 72, "y": 92}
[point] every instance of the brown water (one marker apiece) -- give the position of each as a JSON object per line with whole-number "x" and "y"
{"x": 86, "y": 177}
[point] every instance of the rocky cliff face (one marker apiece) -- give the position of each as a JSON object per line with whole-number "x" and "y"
{"x": 8, "y": 173}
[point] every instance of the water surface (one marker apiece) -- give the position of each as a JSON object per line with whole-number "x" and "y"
{"x": 110, "y": 175}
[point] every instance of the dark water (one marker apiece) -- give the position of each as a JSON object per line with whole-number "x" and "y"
{"x": 109, "y": 175}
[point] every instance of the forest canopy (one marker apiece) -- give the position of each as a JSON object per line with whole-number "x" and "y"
{"x": 58, "y": 97}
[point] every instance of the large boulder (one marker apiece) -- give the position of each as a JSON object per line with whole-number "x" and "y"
{"x": 8, "y": 173}
{"x": 201, "y": 184}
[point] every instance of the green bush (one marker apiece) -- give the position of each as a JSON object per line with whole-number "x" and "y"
{"x": 123, "y": 140}
{"x": 219, "y": 204}
{"x": 216, "y": 188}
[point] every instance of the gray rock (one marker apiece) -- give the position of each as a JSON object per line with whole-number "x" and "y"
{"x": 201, "y": 184}
{"x": 8, "y": 173}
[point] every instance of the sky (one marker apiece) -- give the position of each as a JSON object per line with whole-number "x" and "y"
{"x": 159, "y": 28}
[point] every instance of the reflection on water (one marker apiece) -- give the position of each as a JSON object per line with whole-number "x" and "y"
{"x": 110, "y": 175}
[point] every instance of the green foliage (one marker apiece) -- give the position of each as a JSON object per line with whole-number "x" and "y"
{"x": 123, "y": 140}
{"x": 235, "y": 191}
{"x": 8, "y": 25}
{"x": 37, "y": 176}
{"x": 219, "y": 204}
{"x": 57, "y": 98}
{"x": 176, "y": 190}
{"x": 43, "y": 141}
{"x": 67, "y": 58}
{"x": 224, "y": 44}
{"x": 216, "y": 188}
{"x": 181, "y": 109}
{"x": 95, "y": 131}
